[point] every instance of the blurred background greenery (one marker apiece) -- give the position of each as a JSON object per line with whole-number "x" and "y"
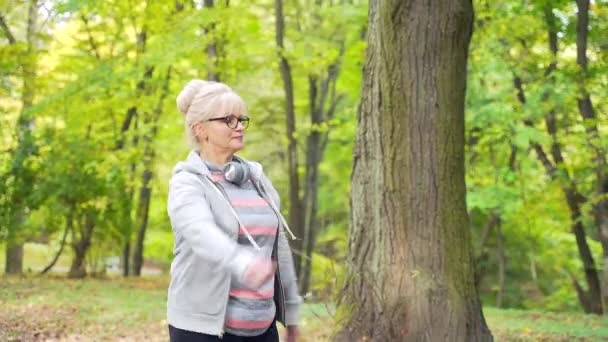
{"x": 89, "y": 134}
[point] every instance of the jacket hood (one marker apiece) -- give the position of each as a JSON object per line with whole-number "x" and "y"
{"x": 194, "y": 164}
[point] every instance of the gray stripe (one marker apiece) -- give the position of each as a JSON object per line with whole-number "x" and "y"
{"x": 251, "y": 309}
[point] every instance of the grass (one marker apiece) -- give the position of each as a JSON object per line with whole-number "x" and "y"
{"x": 56, "y": 309}
{"x": 523, "y": 325}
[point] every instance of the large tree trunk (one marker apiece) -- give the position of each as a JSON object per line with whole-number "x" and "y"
{"x": 411, "y": 267}
{"x": 296, "y": 215}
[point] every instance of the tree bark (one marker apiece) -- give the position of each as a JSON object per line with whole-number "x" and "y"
{"x": 296, "y": 215}
{"x": 410, "y": 262}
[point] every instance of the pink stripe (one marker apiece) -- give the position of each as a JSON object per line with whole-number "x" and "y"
{"x": 252, "y": 294}
{"x": 253, "y": 230}
{"x": 238, "y": 324}
{"x": 218, "y": 177}
{"x": 256, "y": 202}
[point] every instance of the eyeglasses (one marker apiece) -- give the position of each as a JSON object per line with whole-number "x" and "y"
{"x": 232, "y": 121}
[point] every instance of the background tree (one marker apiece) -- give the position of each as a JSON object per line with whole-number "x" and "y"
{"x": 534, "y": 110}
{"x": 19, "y": 178}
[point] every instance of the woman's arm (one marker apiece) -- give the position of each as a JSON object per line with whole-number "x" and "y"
{"x": 192, "y": 219}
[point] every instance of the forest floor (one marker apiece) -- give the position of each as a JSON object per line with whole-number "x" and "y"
{"x": 53, "y": 308}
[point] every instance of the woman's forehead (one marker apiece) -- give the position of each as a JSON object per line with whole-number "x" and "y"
{"x": 232, "y": 108}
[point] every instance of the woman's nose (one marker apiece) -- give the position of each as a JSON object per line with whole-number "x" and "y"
{"x": 239, "y": 126}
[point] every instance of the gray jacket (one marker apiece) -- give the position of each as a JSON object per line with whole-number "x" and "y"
{"x": 206, "y": 253}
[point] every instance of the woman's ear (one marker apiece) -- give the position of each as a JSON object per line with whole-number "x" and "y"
{"x": 200, "y": 131}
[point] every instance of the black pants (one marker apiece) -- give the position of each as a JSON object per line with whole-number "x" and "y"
{"x": 179, "y": 335}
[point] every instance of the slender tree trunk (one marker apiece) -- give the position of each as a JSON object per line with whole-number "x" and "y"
{"x": 212, "y": 48}
{"x": 501, "y": 266}
{"x": 482, "y": 256}
{"x": 296, "y": 216}
{"x": 132, "y": 116}
{"x": 126, "y": 256}
{"x": 410, "y": 262}
{"x": 587, "y": 111}
{"x": 81, "y": 247}
{"x": 590, "y": 300}
{"x": 320, "y": 113}
{"x": 494, "y": 220}
{"x": 25, "y": 145}
{"x": 313, "y": 159}
{"x": 141, "y": 217}
{"x": 58, "y": 254}
{"x": 145, "y": 192}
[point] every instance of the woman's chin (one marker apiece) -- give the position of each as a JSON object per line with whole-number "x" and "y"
{"x": 237, "y": 146}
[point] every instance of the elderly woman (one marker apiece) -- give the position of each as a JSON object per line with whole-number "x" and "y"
{"x": 232, "y": 276}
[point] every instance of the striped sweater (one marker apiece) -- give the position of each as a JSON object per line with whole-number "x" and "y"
{"x": 250, "y": 311}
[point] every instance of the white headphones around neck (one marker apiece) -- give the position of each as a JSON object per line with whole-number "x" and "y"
{"x": 237, "y": 171}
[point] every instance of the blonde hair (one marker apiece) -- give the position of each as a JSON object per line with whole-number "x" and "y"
{"x": 201, "y": 100}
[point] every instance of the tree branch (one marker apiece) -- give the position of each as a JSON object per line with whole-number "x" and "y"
{"x": 90, "y": 35}
{"x": 7, "y": 31}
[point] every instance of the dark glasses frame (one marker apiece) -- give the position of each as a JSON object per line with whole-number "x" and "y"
{"x": 232, "y": 121}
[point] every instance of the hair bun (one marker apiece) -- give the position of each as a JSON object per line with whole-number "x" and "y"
{"x": 185, "y": 97}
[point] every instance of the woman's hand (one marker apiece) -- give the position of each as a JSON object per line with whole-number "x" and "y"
{"x": 259, "y": 271}
{"x": 292, "y": 333}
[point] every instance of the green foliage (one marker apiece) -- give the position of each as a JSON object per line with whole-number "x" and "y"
{"x": 92, "y": 69}
{"x": 510, "y": 42}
